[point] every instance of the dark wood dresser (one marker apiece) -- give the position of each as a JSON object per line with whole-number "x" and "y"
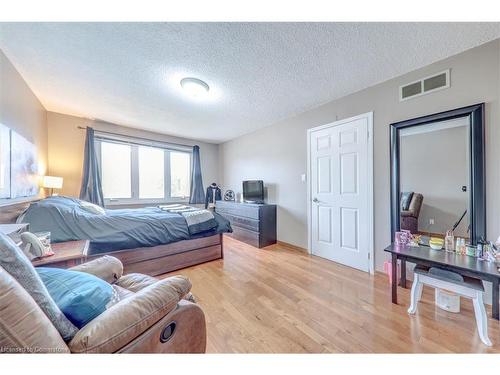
{"x": 254, "y": 224}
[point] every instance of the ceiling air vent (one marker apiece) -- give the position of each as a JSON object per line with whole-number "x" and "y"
{"x": 425, "y": 85}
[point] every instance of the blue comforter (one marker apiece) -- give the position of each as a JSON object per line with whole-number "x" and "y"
{"x": 116, "y": 229}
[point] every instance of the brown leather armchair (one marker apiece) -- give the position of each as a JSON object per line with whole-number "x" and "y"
{"x": 152, "y": 316}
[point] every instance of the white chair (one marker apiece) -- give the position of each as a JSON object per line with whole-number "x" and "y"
{"x": 468, "y": 288}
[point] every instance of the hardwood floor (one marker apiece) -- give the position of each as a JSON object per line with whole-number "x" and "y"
{"x": 281, "y": 300}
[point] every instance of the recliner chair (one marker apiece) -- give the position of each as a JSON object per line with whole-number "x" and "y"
{"x": 152, "y": 316}
{"x": 409, "y": 218}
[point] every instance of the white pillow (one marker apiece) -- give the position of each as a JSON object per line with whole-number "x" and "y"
{"x": 92, "y": 208}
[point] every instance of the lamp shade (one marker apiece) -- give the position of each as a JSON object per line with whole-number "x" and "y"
{"x": 52, "y": 182}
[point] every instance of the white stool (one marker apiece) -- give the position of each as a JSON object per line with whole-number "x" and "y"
{"x": 469, "y": 288}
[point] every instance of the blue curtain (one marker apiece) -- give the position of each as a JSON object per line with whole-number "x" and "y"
{"x": 91, "y": 189}
{"x": 197, "y": 195}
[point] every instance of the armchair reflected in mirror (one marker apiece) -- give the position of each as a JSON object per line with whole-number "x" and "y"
{"x": 437, "y": 174}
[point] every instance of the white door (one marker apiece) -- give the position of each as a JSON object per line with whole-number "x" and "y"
{"x": 341, "y": 185}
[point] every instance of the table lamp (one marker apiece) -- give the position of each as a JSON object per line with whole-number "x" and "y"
{"x": 51, "y": 182}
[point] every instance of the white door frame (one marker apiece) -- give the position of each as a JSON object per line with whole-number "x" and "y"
{"x": 369, "y": 117}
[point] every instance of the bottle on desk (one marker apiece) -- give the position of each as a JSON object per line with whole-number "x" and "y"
{"x": 479, "y": 250}
{"x": 460, "y": 246}
{"x": 449, "y": 241}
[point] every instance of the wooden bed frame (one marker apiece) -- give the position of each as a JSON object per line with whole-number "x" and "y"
{"x": 155, "y": 260}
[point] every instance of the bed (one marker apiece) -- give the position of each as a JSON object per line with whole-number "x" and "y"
{"x": 148, "y": 240}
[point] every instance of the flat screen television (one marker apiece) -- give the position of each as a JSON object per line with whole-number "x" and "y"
{"x": 253, "y": 191}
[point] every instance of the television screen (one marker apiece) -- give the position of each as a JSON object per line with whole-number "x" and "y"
{"x": 253, "y": 191}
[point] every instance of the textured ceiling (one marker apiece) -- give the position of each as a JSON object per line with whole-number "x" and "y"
{"x": 259, "y": 73}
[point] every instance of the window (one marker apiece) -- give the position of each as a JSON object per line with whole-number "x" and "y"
{"x": 179, "y": 174}
{"x": 152, "y": 173}
{"x": 136, "y": 173}
{"x": 115, "y": 169}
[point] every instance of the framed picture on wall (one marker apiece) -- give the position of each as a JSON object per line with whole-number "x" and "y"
{"x": 23, "y": 168}
{"x": 4, "y": 162}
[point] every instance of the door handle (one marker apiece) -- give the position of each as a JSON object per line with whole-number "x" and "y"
{"x": 316, "y": 200}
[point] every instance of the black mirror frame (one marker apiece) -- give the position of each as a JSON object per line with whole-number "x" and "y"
{"x": 477, "y": 194}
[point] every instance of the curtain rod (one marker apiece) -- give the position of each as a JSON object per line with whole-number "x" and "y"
{"x": 132, "y": 137}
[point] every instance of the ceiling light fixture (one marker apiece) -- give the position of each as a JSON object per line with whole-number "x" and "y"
{"x": 195, "y": 87}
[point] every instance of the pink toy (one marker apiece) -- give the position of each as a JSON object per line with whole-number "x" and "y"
{"x": 388, "y": 270}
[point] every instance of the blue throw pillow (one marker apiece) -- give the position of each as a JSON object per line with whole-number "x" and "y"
{"x": 80, "y": 296}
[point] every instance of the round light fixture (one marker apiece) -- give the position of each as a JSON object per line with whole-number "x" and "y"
{"x": 195, "y": 87}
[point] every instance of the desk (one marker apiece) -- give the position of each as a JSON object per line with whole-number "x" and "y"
{"x": 462, "y": 264}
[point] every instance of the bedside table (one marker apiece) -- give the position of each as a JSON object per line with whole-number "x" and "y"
{"x": 14, "y": 231}
{"x": 66, "y": 254}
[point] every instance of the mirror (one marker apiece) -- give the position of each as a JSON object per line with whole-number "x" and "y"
{"x": 437, "y": 175}
{"x": 434, "y": 178}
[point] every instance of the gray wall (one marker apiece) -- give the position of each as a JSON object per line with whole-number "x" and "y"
{"x": 277, "y": 154}
{"x": 435, "y": 164}
{"x": 66, "y": 143}
{"x": 21, "y": 111}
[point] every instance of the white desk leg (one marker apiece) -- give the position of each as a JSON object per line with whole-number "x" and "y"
{"x": 416, "y": 294}
{"x": 481, "y": 318}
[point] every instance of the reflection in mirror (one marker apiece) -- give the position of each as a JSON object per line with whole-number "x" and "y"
{"x": 434, "y": 178}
